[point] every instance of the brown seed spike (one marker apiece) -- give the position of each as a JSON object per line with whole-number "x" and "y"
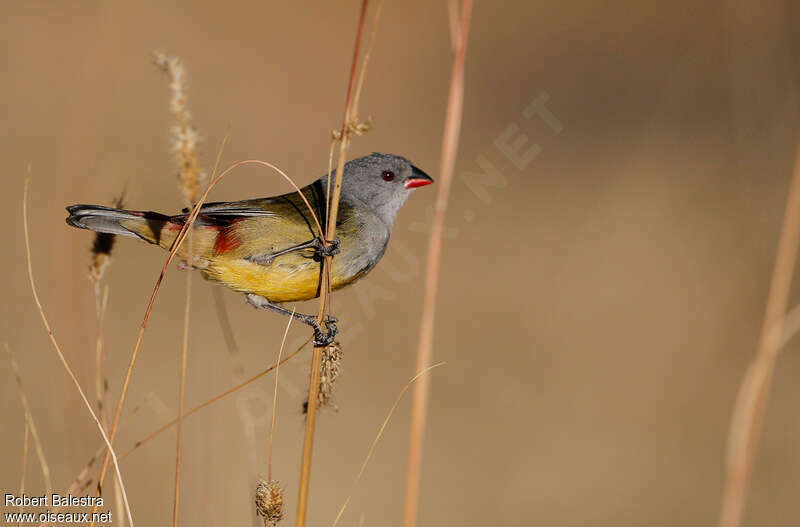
{"x": 331, "y": 363}
{"x": 185, "y": 138}
{"x": 269, "y": 502}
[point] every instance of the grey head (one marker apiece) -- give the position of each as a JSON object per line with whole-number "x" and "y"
{"x": 381, "y": 182}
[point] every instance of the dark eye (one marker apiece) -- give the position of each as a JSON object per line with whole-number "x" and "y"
{"x": 387, "y": 175}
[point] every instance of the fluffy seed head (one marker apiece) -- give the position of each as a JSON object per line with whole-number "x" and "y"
{"x": 269, "y": 502}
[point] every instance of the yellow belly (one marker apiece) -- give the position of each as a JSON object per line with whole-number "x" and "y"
{"x": 289, "y": 279}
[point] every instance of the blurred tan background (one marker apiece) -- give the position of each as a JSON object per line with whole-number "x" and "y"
{"x": 600, "y": 298}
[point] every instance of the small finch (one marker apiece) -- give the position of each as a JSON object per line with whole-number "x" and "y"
{"x": 270, "y": 248}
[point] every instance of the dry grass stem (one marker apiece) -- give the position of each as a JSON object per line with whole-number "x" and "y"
{"x": 790, "y": 326}
{"x": 452, "y": 127}
{"x": 362, "y": 72}
{"x": 26, "y": 409}
{"x": 58, "y": 348}
{"x": 748, "y": 414}
{"x": 378, "y": 437}
{"x": 330, "y": 234}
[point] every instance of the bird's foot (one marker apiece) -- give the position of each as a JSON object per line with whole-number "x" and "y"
{"x": 326, "y": 337}
{"x": 322, "y": 251}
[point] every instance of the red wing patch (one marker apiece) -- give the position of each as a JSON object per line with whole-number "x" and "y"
{"x": 226, "y": 241}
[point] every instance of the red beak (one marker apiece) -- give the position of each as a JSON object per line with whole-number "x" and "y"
{"x": 418, "y": 178}
{"x": 418, "y": 182}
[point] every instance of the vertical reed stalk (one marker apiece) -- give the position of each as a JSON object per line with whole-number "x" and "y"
{"x": 452, "y": 126}
{"x": 751, "y": 402}
{"x": 330, "y": 234}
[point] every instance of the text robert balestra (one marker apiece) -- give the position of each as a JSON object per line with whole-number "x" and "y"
{"x": 53, "y": 500}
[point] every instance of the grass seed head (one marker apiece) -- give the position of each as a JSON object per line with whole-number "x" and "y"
{"x": 269, "y": 502}
{"x": 101, "y": 249}
{"x": 191, "y": 176}
{"x": 331, "y": 363}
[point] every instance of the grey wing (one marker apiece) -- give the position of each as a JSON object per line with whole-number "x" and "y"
{"x": 248, "y": 207}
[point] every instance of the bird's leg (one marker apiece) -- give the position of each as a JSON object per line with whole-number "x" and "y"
{"x": 321, "y": 337}
{"x": 320, "y": 251}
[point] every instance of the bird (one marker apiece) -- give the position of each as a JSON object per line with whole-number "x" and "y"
{"x": 271, "y": 249}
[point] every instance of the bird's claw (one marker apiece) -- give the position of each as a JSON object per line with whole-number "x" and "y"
{"x": 322, "y": 251}
{"x": 326, "y": 337}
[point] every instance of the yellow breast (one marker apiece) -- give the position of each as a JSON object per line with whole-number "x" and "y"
{"x": 291, "y": 278}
